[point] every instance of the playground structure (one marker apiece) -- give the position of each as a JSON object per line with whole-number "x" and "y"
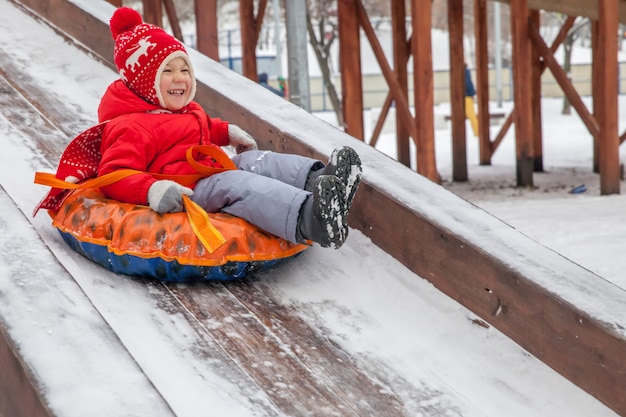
{"x": 586, "y": 349}
{"x": 531, "y": 57}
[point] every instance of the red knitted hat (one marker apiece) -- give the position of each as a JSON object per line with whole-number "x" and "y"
{"x": 142, "y": 51}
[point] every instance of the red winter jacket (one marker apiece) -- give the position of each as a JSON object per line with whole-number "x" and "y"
{"x": 146, "y": 138}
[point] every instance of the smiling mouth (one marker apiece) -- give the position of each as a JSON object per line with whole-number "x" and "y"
{"x": 176, "y": 92}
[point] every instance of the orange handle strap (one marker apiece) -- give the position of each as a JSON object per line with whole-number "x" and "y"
{"x": 199, "y": 221}
{"x": 215, "y": 153}
{"x": 51, "y": 180}
{"x": 46, "y": 178}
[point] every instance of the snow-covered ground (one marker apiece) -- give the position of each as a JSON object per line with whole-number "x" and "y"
{"x": 362, "y": 298}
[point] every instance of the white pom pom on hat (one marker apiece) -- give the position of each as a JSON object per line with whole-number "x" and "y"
{"x": 141, "y": 52}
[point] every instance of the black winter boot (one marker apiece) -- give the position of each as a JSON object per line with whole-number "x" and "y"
{"x": 323, "y": 215}
{"x": 345, "y": 164}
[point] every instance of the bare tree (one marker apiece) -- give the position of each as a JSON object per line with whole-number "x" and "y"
{"x": 321, "y": 40}
{"x": 323, "y": 31}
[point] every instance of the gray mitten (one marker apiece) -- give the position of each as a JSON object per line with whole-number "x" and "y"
{"x": 240, "y": 139}
{"x": 166, "y": 196}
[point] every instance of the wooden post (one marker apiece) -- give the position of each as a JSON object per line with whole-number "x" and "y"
{"x": 607, "y": 89}
{"x": 207, "y": 41}
{"x": 350, "y": 65}
{"x": 248, "y": 39}
{"x": 421, "y": 15}
{"x": 482, "y": 80}
{"x": 400, "y": 60}
{"x": 535, "y": 90}
{"x": 116, "y": 3}
{"x": 153, "y": 12}
{"x": 457, "y": 90}
{"x": 521, "y": 94}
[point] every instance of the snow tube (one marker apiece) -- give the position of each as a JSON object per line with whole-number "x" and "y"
{"x": 137, "y": 241}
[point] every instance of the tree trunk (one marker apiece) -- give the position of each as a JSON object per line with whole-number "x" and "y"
{"x": 322, "y": 59}
{"x": 567, "y": 67}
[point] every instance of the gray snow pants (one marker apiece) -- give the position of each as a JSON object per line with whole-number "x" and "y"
{"x": 267, "y": 190}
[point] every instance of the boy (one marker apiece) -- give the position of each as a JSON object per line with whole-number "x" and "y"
{"x": 152, "y": 121}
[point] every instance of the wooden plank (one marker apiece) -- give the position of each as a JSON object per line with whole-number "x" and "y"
{"x": 16, "y": 85}
{"x": 482, "y": 81}
{"x": 586, "y": 8}
{"x": 248, "y": 39}
{"x": 365, "y": 392}
{"x": 19, "y": 394}
{"x": 72, "y": 21}
{"x": 401, "y": 51}
{"x": 153, "y": 12}
{"x": 260, "y": 353}
{"x": 350, "y": 67}
{"x": 607, "y": 93}
{"x": 423, "y": 88}
{"x": 457, "y": 90}
{"x": 207, "y": 40}
{"x": 521, "y": 94}
{"x": 14, "y": 109}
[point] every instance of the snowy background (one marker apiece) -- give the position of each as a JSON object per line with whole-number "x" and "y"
{"x": 362, "y": 299}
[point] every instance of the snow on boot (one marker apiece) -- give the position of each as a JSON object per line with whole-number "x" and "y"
{"x": 345, "y": 164}
{"x": 323, "y": 215}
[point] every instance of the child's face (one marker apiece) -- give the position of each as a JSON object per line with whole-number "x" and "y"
{"x": 175, "y": 84}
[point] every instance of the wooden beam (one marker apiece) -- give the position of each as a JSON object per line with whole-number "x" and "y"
{"x": 423, "y": 87}
{"x": 350, "y": 66}
{"x": 585, "y": 8}
{"x": 562, "y": 79}
{"x": 19, "y": 393}
{"x": 172, "y": 17}
{"x": 398, "y": 94}
{"x": 153, "y": 12}
{"x": 482, "y": 80}
{"x": 401, "y": 52}
{"x": 522, "y": 98}
{"x": 457, "y": 90}
{"x": 248, "y": 39}
{"x": 384, "y": 111}
{"x": 207, "y": 40}
{"x": 558, "y": 40}
{"x": 607, "y": 90}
